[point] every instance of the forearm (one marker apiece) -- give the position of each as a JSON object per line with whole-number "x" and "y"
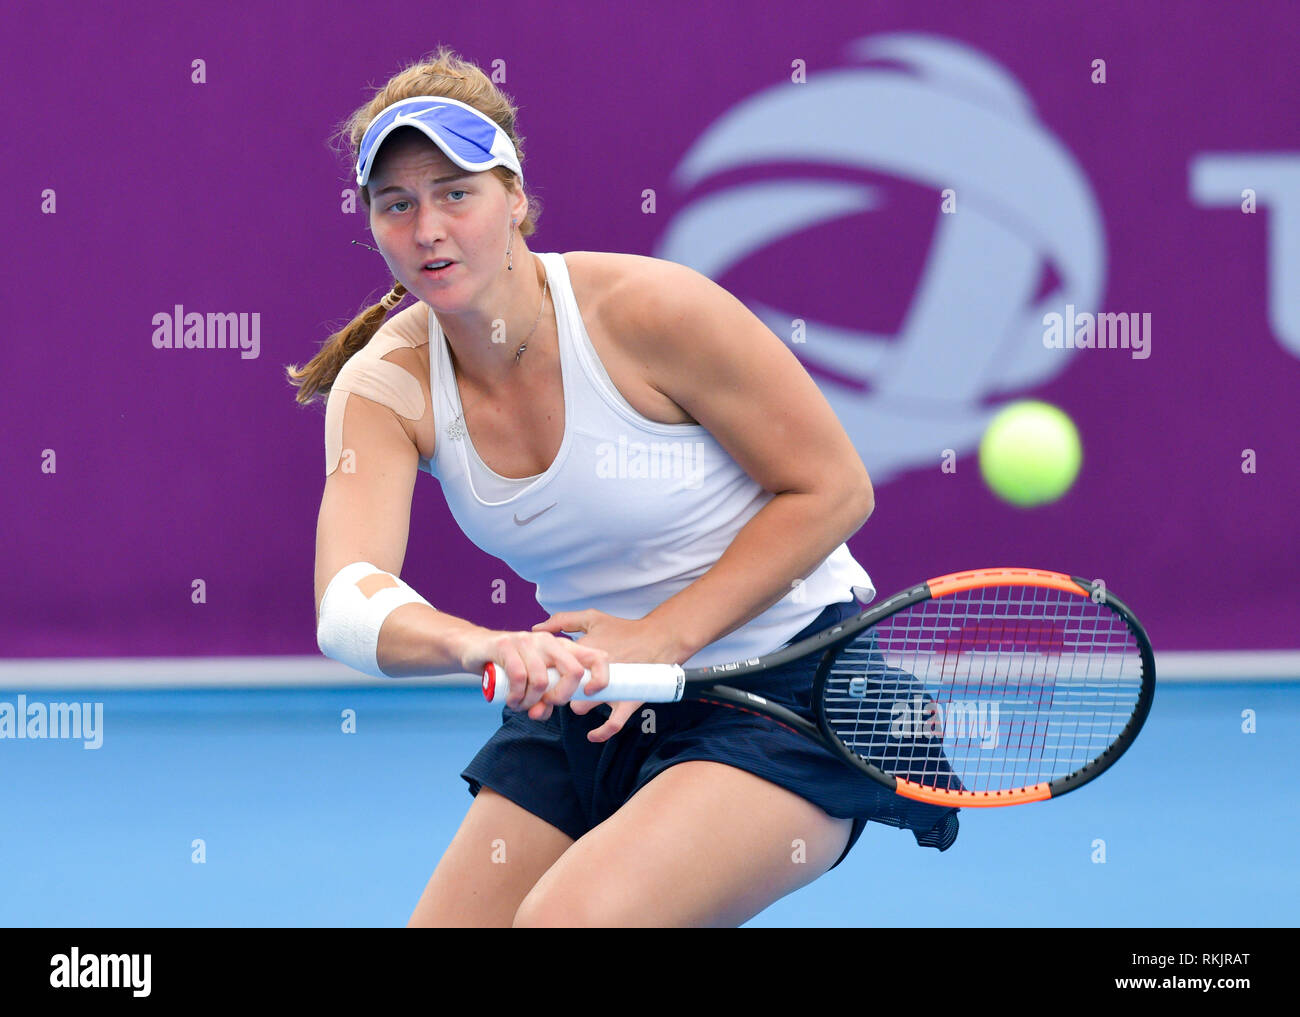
{"x": 783, "y": 543}
{"x": 417, "y": 640}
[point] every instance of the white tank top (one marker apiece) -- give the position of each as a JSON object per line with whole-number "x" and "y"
{"x": 631, "y": 511}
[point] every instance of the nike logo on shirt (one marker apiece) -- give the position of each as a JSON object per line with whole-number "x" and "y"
{"x": 525, "y": 522}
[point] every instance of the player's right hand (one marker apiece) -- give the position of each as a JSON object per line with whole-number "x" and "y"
{"x": 525, "y": 657}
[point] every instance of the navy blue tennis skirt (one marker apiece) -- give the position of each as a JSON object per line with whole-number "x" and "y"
{"x": 551, "y": 770}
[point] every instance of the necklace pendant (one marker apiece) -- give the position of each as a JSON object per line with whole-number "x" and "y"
{"x": 456, "y": 429}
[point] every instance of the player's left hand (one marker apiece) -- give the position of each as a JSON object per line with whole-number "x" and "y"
{"x": 624, "y": 639}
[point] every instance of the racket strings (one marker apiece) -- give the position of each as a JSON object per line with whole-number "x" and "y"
{"x": 989, "y": 689}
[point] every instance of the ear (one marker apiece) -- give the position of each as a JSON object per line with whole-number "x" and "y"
{"x": 518, "y": 204}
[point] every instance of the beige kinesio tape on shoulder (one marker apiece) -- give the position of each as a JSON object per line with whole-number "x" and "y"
{"x": 368, "y": 374}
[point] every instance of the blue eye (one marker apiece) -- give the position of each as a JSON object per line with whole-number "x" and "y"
{"x": 405, "y": 202}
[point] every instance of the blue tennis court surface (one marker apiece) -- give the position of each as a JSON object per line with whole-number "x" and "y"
{"x": 304, "y": 825}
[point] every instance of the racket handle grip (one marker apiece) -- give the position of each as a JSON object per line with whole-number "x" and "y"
{"x": 642, "y": 683}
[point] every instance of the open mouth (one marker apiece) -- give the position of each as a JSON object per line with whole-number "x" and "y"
{"x": 438, "y": 269}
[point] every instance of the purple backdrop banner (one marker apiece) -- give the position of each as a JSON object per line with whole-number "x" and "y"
{"x": 905, "y": 192}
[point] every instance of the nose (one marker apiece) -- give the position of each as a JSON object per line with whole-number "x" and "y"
{"x": 430, "y": 226}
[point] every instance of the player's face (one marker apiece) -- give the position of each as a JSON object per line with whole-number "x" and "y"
{"x": 425, "y": 208}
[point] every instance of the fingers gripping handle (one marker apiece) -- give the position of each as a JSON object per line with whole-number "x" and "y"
{"x": 643, "y": 683}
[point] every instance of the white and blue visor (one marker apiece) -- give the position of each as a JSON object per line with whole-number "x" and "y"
{"x": 471, "y": 140}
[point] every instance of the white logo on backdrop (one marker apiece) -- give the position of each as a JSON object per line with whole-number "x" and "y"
{"x": 1217, "y": 181}
{"x": 945, "y": 116}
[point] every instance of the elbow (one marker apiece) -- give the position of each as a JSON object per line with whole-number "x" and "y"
{"x": 324, "y": 643}
{"x": 863, "y": 499}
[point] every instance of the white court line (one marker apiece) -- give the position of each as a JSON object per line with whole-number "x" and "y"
{"x": 320, "y": 672}
{"x": 202, "y": 673}
{"x": 1228, "y": 665}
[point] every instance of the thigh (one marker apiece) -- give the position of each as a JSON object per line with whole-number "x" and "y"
{"x": 702, "y": 844}
{"x": 497, "y": 855}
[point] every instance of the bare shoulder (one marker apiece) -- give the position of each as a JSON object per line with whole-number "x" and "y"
{"x": 629, "y": 323}
{"x": 595, "y": 274}
{"x": 637, "y": 298}
{"x": 605, "y": 273}
{"x": 690, "y": 340}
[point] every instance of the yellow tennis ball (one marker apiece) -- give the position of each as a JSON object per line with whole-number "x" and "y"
{"x": 1030, "y": 453}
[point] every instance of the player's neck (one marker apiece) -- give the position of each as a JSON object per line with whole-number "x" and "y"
{"x": 485, "y": 341}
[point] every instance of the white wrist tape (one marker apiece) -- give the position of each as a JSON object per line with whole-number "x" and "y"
{"x": 348, "y": 630}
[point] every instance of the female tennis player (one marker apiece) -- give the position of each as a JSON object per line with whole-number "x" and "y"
{"x": 627, "y": 435}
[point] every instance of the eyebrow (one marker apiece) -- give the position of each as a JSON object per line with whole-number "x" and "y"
{"x": 439, "y": 180}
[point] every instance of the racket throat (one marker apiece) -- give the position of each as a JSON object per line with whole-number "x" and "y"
{"x": 753, "y": 703}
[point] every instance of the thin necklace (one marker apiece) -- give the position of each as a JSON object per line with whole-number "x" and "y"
{"x": 456, "y": 429}
{"x": 524, "y": 345}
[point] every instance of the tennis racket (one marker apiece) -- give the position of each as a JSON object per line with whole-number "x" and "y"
{"x": 993, "y": 687}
